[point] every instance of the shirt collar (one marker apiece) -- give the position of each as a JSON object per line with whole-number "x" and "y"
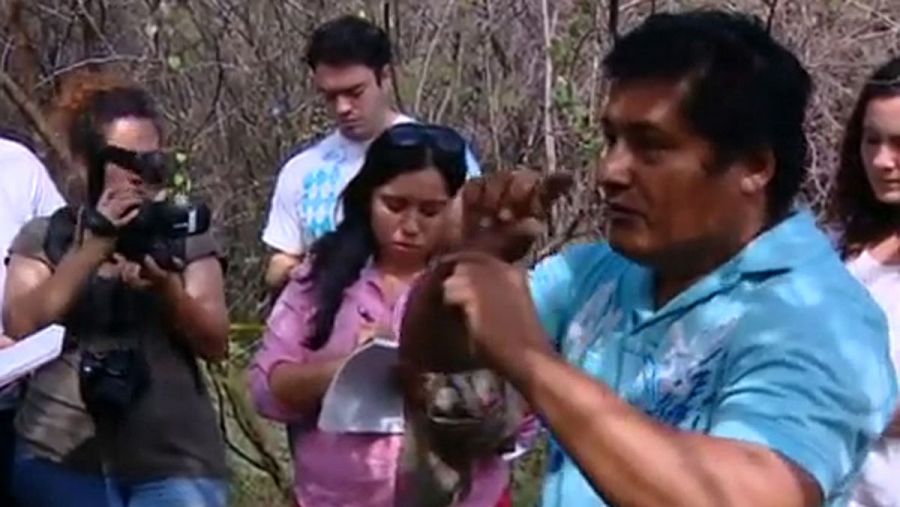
{"x": 370, "y": 275}
{"x": 364, "y": 145}
{"x": 793, "y": 242}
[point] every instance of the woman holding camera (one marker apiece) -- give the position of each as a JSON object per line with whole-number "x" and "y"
{"x": 866, "y": 206}
{"x": 122, "y": 417}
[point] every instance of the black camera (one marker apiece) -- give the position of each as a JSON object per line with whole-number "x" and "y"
{"x": 155, "y": 227}
{"x": 159, "y": 225}
{"x": 155, "y": 230}
{"x": 111, "y": 380}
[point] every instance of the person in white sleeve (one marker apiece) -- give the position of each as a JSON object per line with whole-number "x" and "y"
{"x": 866, "y": 207}
{"x": 350, "y": 60}
{"x": 26, "y": 192}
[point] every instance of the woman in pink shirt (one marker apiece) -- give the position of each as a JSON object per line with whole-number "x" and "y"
{"x": 395, "y": 215}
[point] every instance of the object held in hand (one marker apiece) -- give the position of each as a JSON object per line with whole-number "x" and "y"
{"x": 503, "y": 213}
{"x": 459, "y": 412}
{"x": 147, "y": 234}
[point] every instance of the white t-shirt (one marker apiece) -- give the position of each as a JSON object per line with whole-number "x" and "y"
{"x": 879, "y": 484}
{"x": 26, "y": 192}
{"x": 305, "y": 201}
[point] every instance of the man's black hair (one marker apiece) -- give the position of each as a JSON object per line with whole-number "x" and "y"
{"x": 746, "y": 92}
{"x": 349, "y": 40}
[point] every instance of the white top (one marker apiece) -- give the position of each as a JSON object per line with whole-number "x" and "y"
{"x": 305, "y": 201}
{"x": 879, "y": 484}
{"x": 26, "y": 192}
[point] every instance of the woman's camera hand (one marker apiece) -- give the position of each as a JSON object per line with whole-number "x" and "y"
{"x": 118, "y": 206}
{"x": 147, "y": 275}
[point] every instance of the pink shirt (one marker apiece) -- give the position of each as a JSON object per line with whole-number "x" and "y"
{"x": 332, "y": 469}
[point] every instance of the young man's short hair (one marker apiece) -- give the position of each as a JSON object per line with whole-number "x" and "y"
{"x": 349, "y": 40}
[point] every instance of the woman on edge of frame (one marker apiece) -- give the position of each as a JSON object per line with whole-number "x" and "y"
{"x": 866, "y": 207}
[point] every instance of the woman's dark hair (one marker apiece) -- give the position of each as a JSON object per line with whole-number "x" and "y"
{"x": 339, "y": 256}
{"x": 88, "y": 103}
{"x": 854, "y": 207}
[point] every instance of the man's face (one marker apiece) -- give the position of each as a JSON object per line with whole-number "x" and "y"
{"x": 667, "y": 206}
{"x": 357, "y": 100}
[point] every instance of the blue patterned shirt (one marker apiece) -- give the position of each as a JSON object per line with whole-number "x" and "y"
{"x": 780, "y": 347}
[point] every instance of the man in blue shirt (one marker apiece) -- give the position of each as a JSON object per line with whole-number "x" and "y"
{"x": 714, "y": 352}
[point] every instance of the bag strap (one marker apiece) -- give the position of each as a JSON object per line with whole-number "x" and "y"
{"x": 61, "y": 233}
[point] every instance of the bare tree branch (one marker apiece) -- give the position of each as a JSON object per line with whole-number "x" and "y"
{"x": 613, "y": 26}
{"x": 432, "y": 45}
{"x": 773, "y": 6}
{"x": 391, "y": 25}
{"x": 34, "y": 116}
{"x": 549, "y": 77}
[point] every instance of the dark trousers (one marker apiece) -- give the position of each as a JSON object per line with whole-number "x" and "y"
{"x": 7, "y": 453}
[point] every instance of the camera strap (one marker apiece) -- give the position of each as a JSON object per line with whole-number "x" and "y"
{"x": 65, "y": 228}
{"x": 61, "y": 232}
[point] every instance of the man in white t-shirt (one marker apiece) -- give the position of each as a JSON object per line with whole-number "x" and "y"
{"x": 350, "y": 60}
{"x": 26, "y": 191}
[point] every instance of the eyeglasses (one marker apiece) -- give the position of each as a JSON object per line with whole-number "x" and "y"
{"x": 151, "y": 166}
{"x": 444, "y": 140}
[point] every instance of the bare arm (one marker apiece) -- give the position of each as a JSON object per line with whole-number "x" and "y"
{"x": 302, "y": 386}
{"x": 36, "y": 297}
{"x": 629, "y": 458}
{"x": 633, "y": 460}
{"x": 284, "y": 380}
{"x": 197, "y": 307}
{"x": 279, "y": 268}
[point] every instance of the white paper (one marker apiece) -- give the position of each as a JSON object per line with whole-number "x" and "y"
{"x": 363, "y": 396}
{"x": 30, "y": 353}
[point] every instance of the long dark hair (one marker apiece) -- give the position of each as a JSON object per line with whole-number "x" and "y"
{"x": 89, "y": 102}
{"x": 339, "y": 256}
{"x": 854, "y": 207}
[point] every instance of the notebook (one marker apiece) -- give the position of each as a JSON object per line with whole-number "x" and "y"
{"x": 30, "y": 353}
{"x": 363, "y": 396}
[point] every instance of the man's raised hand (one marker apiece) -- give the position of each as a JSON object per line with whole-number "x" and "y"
{"x": 503, "y": 213}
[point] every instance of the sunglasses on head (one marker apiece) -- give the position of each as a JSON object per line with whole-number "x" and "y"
{"x": 151, "y": 166}
{"x": 437, "y": 137}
